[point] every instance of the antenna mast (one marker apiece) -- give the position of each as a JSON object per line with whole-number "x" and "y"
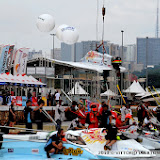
{"x": 157, "y": 24}
{"x": 102, "y": 43}
{"x": 97, "y": 29}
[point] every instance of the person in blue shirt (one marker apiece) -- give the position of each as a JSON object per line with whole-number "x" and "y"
{"x": 54, "y": 144}
{"x": 27, "y": 114}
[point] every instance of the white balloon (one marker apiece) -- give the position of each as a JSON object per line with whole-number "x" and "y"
{"x": 59, "y": 31}
{"x": 45, "y": 23}
{"x": 70, "y": 35}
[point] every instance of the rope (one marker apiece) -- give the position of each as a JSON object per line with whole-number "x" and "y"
{"x": 156, "y": 91}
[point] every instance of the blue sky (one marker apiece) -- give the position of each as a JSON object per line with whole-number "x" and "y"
{"x": 18, "y": 20}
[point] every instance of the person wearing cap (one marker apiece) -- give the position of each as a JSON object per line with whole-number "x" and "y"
{"x": 92, "y": 118}
{"x": 106, "y": 117}
{"x": 76, "y": 124}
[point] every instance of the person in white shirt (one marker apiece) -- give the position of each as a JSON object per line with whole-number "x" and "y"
{"x": 59, "y": 114}
{"x": 156, "y": 110}
{"x": 146, "y": 121}
{"x": 76, "y": 125}
{"x": 125, "y": 110}
{"x": 57, "y": 97}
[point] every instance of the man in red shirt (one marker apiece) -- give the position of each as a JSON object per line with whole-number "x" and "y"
{"x": 92, "y": 118}
{"x": 119, "y": 123}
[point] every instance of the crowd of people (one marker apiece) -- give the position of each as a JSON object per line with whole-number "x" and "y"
{"x": 97, "y": 116}
{"x": 101, "y": 117}
{"x": 39, "y": 116}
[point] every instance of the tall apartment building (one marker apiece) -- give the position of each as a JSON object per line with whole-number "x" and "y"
{"x": 130, "y": 54}
{"x": 148, "y": 50}
{"x": 57, "y": 53}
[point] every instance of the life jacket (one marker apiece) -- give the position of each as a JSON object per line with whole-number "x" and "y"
{"x": 91, "y": 118}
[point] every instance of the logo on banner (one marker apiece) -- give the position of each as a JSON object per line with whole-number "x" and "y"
{"x": 97, "y": 58}
{"x": 19, "y": 101}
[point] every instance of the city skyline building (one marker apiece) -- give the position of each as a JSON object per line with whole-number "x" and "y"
{"x": 130, "y": 54}
{"x": 150, "y": 46}
{"x": 57, "y": 53}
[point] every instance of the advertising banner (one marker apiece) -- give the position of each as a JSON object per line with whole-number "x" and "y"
{"x": 45, "y": 101}
{"x": 1, "y": 100}
{"x": 34, "y": 101}
{"x": 10, "y": 58}
{"x": 19, "y": 101}
{"x": 3, "y": 59}
{"x": 97, "y": 58}
{"x": 1, "y": 48}
{"x": 20, "y": 62}
{"x": 14, "y": 99}
{"x": 24, "y": 100}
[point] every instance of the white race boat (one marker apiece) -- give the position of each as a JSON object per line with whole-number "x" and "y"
{"x": 84, "y": 144}
{"x": 147, "y": 138}
{"x": 94, "y": 141}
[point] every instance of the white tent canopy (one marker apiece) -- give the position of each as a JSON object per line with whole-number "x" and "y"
{"x": 78, "y": 90}
{"x": 108, "y": 93}
{"x": 22, "y": 79}
{"x": 134, "y": 88}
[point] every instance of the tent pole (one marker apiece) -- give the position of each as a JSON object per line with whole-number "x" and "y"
{"x": 98, "y": 85}
{"x": 74, "y": 81}
{"x": 91, "y": 84}
{"x": 69, "y": 81}
{"x": 71, "y": 84}
{"x": 87, "y": 84}
{"x": 26, "y": 92}
{"x": 21, "y": 91}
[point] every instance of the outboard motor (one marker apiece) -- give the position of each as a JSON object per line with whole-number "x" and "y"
{"x": 1, "y": 140}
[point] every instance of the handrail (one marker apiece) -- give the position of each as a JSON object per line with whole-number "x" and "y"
{"x": 66, "y": 95}
{"x": 23, "y": 128}
{"x": 48, "y": 116}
